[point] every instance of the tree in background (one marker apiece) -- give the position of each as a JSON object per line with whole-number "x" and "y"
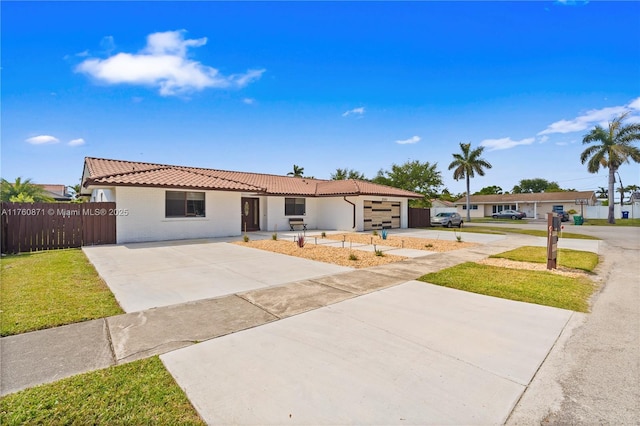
{"x": 614, "y": 147}
{"x": 536, "y": 185}
{"x": 602, "y": 192}
{"x": 466, "y": 165}
{"x": 297, "y": 171}
{"x": 342, "y": 174}
{"x": 490, "y": 190}
{"x": 22, "y": 191}
{"x": 632, "y": 189}
{"x": 413, "y": 176}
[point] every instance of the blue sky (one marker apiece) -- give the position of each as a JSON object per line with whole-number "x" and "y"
{"x": 261, "y": 86}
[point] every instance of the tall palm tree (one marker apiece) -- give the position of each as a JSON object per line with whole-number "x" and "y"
{"x": 466, "y": 165}
{"x": 297, "y": 171}
{"x": 22, "y": 191}
{"x": 615, "y": 148}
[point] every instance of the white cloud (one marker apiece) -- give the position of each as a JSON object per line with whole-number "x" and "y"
{"x": 356, "y": 111}
{"x": 163, "y": 63}
{"x": 42, "y": 140}
{"x": 76, "y": 142}
{"x": 249, "y": 101}
{"x": 543, "y": 139}
{"x": 591, "y": 118}
{"x": 412, "y": 139}
{"x": 635, "y": 104}
{"x": 504, "y": 143}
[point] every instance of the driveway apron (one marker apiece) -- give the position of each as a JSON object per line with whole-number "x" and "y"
{"x": 411, "y": 354}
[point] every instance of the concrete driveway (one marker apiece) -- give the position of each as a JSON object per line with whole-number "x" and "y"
{"x": 149, "y": 275}
{"x": 411, "y": 354}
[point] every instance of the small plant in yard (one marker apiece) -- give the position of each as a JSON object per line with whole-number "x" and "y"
{"x": 458, "y": 237}
{"x": 379, "y": 253}
{"x": 383, "y": 234}
{"x": 300, "y": 240}
{"x": 428, "y": 245}
{"x": 352, "y": 256}
{"x": 245, "y": 238}
{"x": 274, "y": 236}
{"x": 375, "y": 233}
{"x": 323, "y": 234}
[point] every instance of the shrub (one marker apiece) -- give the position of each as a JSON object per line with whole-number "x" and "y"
{"x": 383, "y": 234}
{"x": 379, "y": 253}
{"x": 274, "y": 236}
{"x": 352, "y": 256}
{"x": 300, "y": 240}
{"x": 246, "y": 238}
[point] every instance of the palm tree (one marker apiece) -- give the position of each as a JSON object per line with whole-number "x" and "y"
{"x": 466, "y": 165}
{"x": 602, "y": 192}
{"x": 22, "y": 191}
{"x": 297, "y": 171}
{"x": 615, "y": 148}
{"x": 633, "y": 189}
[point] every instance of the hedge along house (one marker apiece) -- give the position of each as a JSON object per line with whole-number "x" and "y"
{"x": 535, "y": 205}
{"x": 156, "y": 202}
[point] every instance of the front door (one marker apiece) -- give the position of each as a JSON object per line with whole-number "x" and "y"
{"x": 250, "y": 214}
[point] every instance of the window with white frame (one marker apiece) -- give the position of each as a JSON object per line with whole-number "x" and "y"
{"x": 471, "y": 207}
{"x": 294, "y": 206}
{"x": 184, "y": 204}
{"x": 499, "y": 207}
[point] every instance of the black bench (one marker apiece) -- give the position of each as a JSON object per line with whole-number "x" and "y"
{"x": 297, "y": 221}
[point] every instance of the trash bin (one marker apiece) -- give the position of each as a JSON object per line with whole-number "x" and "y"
{"x": 577, "y": 220}
{"x": 625, "y": 215}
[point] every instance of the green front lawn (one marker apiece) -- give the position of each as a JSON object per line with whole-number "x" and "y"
{"x": 574, "y": 259}
{"x": 139, "y": 393}
{"x": 51, "y": 288}
{"x": 542, "y": 288}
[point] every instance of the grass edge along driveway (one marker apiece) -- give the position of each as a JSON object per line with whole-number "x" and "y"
{"x": 138, "y": 393}
{"x": 51, "y": 288}
{"x": 539, "y": 287}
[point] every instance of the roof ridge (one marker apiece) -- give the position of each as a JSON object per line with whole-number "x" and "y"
{"x": 219, "y": 177}
{"x": 206, "y": 168}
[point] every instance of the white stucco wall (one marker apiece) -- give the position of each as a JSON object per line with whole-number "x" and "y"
{"x": 272, "y": 210}
{"x": 146, "y": 221}
{"x": 145, "y": 214}
{"x": 103, "y": 195}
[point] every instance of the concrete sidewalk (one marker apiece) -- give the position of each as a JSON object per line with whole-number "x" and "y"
{"x": 45, "y": 356}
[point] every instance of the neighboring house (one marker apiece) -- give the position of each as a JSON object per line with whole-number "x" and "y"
{"x": 57, "y": 192}
{"x": 535, "y": 205}
{"x": 436, "y": 203}
{"x": 164, "y": 202}
{"x": 441, "y": 206}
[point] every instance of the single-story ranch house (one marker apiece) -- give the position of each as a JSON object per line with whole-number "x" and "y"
{"x": 535, "y": 205}
{"x": 162, "y": 202}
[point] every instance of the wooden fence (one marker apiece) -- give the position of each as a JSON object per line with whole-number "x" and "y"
{"x": 419, "y": 217}
{"x": 46, "y": 226}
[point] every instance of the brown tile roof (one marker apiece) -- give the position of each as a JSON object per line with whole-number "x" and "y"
{"x": 565, "y": 196}
{"x": 127, "y": 173}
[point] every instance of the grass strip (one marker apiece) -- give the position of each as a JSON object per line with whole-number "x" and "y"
{"x": 542, "y": 288}
{"x": 619, "y": 222}
{"x": 574, "y": 259}
{"x": 139, "y": 393}
{"x": 49, "y": 289}
{"x": 502, "y": 230}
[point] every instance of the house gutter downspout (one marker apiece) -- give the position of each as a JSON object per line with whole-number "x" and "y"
{"x": 354, "y": 211}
